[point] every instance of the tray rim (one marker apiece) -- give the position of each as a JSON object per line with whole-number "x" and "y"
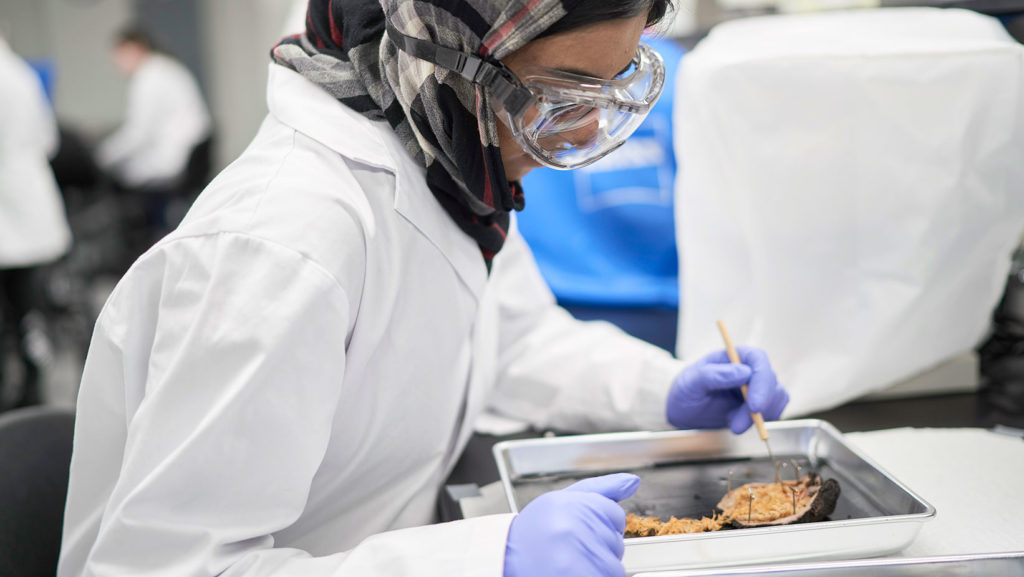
{"x": 781, "y": 568}
{"x": 499, "y": 449}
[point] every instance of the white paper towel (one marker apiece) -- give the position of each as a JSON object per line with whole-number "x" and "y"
{"x": 974, "y": 478}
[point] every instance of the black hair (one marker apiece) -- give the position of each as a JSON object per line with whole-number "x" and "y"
{"x": 594, "y": 11}
{"x": 134, "y": 34}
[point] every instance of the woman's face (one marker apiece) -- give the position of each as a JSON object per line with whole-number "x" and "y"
{"x": 128, "y": 56}
{"x": 601, "y": 50}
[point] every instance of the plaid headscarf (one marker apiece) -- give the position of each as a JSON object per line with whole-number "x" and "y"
{"x": 444, "y": 120}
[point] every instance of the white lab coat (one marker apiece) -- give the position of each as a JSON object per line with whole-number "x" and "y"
{"x": 282, "y": 385}
{"x": 33, "y": 226}
{"x": 165, "y": 119}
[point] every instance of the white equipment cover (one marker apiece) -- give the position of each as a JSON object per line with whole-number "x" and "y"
{"x": 851, "y": 189}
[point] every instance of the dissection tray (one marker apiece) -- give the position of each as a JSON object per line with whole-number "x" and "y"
{"x": 685, "y": 473}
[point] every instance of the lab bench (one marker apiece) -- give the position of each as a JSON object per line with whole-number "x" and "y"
{"x": 935, "y": 446}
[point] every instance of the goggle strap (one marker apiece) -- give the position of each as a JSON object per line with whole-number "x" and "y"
{"x": 464, "y": 64}
{"x": 515, "y": 98}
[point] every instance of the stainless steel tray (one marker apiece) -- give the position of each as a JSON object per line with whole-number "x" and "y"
{"x": 685, "y": 473}
{"x": 984, "y": 565}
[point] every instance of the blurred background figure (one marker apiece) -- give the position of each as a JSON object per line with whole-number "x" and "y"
{"x": 33, "y": 227}
{"x": 166, "y": 131}
{"x": 165, "y": 117}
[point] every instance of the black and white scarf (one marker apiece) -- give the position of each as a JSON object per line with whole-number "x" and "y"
{"x": 444, "y": 120}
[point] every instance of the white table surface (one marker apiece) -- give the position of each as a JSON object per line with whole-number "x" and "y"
{"x": 974, "y": 478}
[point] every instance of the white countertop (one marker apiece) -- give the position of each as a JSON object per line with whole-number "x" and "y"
{"x": 973, "y": 477}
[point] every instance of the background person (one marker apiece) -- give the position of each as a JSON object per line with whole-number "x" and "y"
{"x": 33, "y": 227}
{"x": 281, "y": 386}
{"x": 165, "y": 120}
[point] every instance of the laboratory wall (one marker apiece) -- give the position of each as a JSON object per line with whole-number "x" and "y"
{"x": 76, "y": 36}
{"x": 175, "y": 28}
{"x": 225, "y": 43}
{"x": 238, "y": 36}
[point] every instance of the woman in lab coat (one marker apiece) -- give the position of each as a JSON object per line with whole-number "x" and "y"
{"x": 33, "y": 227}
{"x": 282, "y": 385}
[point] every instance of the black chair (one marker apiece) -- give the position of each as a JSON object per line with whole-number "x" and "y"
{"x": 35, "y": 456}
{"x": 200, "y": 166}
{"x": 198, "y": 173}
{"x": 150, "y": 212}
{"x": 73, "y": 166}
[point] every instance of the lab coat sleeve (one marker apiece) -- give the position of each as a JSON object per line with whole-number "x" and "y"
{"x": 27, "y": 118}
{"x": 48, "y": 131}
{"x": 44, "y": 122}
{"x": 558, "y": 372}
{"x": 140, "y": 119}
{"x": 242, "y": 365}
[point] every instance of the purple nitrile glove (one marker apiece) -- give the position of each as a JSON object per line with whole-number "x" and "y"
{"x": 575, "y": 531}
{"x": 706, "y": 395}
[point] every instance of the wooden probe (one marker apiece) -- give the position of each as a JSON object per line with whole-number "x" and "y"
{"x": 756, "y": 417}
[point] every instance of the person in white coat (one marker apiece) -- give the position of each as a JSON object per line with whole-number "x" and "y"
{"x": 34, "y": 229}
{"x": 282, "y": 385}
{"x": 165, "y": 117}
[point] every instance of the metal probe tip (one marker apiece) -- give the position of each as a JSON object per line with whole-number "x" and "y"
{"x": 771, "y": 456}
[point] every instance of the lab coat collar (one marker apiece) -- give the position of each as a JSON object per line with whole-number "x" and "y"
{"x": 299, "y": 103}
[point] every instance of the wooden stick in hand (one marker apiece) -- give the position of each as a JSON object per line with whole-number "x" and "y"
{"x": 735, "y": 359}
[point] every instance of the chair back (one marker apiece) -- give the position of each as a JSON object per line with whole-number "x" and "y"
{"x": 200, "y": 165}
{"x": 35, "y": 457}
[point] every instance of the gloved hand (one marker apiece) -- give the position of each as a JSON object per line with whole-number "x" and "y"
{"x": 575, "y": 531}
{"x": 706, "y": 395}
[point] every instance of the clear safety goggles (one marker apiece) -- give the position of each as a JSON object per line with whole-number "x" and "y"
{"x": 563, "y": 120}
